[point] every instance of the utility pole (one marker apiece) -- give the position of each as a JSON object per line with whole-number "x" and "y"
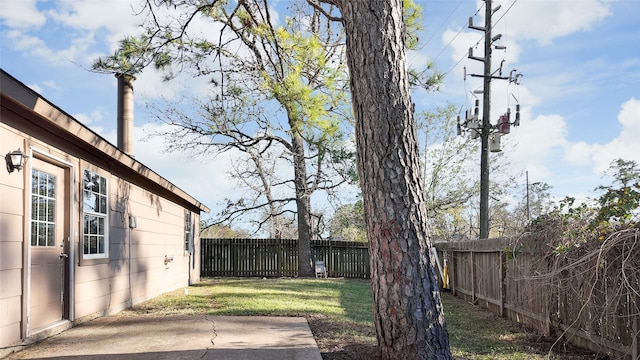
{"x": 528, "y": 211}
{"x": 484, "y": 135}
{"x": 484, "y": 128}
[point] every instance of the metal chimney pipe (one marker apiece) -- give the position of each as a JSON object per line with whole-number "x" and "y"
{"x": 125, "y": 113}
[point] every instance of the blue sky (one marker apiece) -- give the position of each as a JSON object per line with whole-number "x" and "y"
{"x": 580, "y": 92}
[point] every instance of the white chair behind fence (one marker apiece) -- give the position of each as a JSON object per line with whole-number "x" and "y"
{"x": 321, "y": 270}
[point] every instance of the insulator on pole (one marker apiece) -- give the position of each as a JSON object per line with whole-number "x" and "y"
{"x": 517, "y": 121}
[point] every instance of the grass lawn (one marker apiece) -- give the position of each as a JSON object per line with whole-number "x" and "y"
{"x": 339, "y": 314}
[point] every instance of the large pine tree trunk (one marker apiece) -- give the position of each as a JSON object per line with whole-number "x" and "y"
{"x": 407, "y": 309}
{"x": 303, "y": 204}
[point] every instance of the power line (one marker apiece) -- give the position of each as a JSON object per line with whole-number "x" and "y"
{"x": 446, "y": 46}
{"x": 444, "y": 22}
{"x": 476, "y": 44}
{"x": 505, "y": 12}
{"x": 454, "y": 37}
{"x": 462, "y": 58}
{"x": 434, "y": 33}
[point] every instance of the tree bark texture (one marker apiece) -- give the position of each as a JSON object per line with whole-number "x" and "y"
{"x": 407, "y": 308}
{"x": 303, "y": 203}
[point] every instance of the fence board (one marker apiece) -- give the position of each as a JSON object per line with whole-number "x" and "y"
{"x": 279, "y": 257}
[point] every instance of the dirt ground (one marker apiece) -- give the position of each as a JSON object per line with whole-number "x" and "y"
{"x": 337, "y": 343}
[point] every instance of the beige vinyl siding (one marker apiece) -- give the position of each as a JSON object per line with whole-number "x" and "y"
{"x": 11, "y": 240}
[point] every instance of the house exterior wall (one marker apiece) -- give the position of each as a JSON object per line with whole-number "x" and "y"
{"x": 11, "y": 241}
{"x": 143, "y": 262}
{"x": 159, "y": 235}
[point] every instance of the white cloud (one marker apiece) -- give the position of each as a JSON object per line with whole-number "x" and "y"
{"x": 31, "y": 45}
{"x": 461, "y": 42}
{"x": 84, "y": 24}
{"x": 79, "y": 51}
{"x": 629, "y": 118}
{"x": 627, "y": 143}
{"x": 546, "y": 20}
{"x": 35, "y": 87}
{"x": 544, "y": 150}
{"x": 624, "y": 146}
{"x": 149, "y": 85}
{"x": 91, "y": 119}
{"x": 539, "y": 141}
{"x": 90, "y": 15}
{"x": 507, "y": 95}
{"x": 579, "y": 153}
{"x": 21, "y": 14}
{"x": 51, "y": 84}
{"x": 205, "y": 179}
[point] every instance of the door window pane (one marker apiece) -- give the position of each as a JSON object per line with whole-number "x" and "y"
{"x": 43, "y": 208}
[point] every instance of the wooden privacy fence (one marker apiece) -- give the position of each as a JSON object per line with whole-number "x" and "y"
{"x": 279, "y": 257}
{"x": 586, "y": 310}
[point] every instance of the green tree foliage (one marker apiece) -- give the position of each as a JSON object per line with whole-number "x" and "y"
{"x": 539, "y": 201}
{"x": 449, "y": 178}
{"x": 621, "y": 200}
{"x": 348, "y": 223}
{"x": 222, "y": 231}
{"x": 448, "y": 172}
{"x": 512, "y": 221}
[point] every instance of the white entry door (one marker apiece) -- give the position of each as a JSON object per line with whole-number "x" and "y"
{"x": 49, "y": 209}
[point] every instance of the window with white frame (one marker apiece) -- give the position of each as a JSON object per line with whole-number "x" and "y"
{"x": 95, "y": 215}
{"x": 188, "y": 240}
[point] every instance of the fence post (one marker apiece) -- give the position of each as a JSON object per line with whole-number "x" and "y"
{"x": 503, "y": 268}
{"x": 234, "y": 257}
{"x": 453, "y": 272}
{"x": 203, "y": 265}
{"x": 473, "y": 278}
{"x": 553, "y": 298}
{"x": 279, "y": 255}
{"x": 329, "y": 264}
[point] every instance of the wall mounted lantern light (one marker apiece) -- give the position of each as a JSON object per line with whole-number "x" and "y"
{"x": 15, "y": 160}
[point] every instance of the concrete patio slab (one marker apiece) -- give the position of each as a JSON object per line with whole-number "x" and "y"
{"x": 180, "y": 337}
